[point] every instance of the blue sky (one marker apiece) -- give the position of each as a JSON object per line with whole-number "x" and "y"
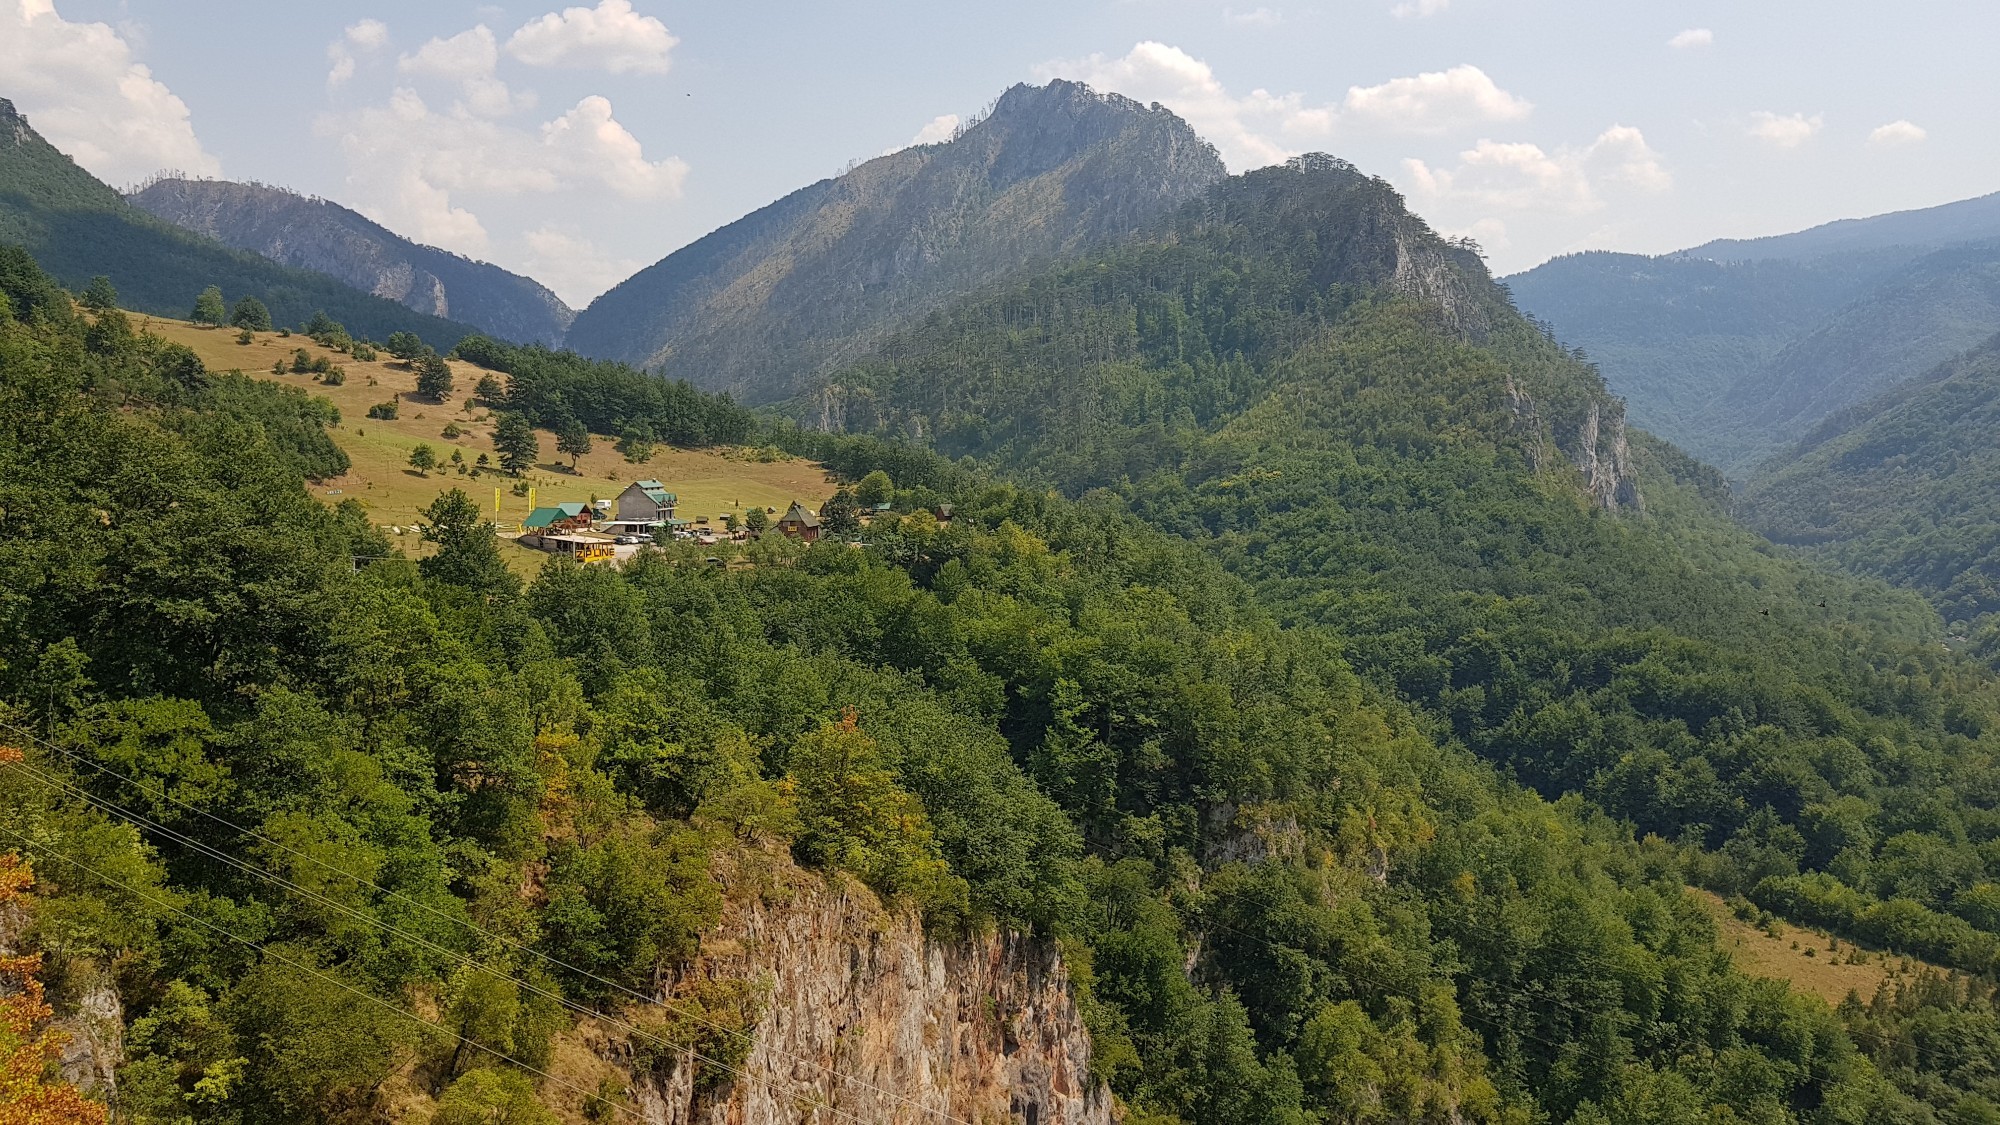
{"x": 577, "y": 142}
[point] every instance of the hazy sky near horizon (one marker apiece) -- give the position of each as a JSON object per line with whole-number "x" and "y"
{"x": 580, "y": 142}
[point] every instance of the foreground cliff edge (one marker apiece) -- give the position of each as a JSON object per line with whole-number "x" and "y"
{"x": 853, "y": 1013}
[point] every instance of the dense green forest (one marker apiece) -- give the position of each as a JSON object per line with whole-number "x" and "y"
{"x": 79, "y": 228}
{"x": 558, "y": 389}
{"x": 1046, "y": 715}
{"x": 1408, "y": 481}
{"x": 1905, "y": 486}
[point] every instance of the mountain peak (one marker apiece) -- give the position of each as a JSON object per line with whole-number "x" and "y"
{"x": 761, "y": 305}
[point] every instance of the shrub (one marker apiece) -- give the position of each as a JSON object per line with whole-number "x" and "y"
{"x": 383, "y": 410}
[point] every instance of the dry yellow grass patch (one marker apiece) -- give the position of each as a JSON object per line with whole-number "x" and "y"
{"x": 708, "y": 482}
{"x": 1806, "y": 957}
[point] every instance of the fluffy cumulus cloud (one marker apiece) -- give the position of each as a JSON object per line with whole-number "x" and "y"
{"x": 1897, "y": 133}
{"x": 609, "y": 37}
{"x": 411, "y": 165}
{"x": 574, "y": 266}
{"x": 1523, "y": 177}
{"x": 1784, "y": 131}
{"x": 82, "y": 88}
{"x": 1433, "y": 102}
{"x": 1692, "y": 38}
{"x": 364, "y": 37}
{"x": 469, "y": 60}
{"x": 938, "y": 129}
{"x": 1260, "y": 127}
{"x": 447, "y": 152}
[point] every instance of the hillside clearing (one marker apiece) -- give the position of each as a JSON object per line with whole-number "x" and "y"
{"x": 1810, "y": 960}
{"x": 708, "y": 482}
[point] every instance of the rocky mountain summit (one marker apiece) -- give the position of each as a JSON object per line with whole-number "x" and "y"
{"x": 795, "y": 288}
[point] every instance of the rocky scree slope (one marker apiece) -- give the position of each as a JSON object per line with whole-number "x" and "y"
{"x": 317, "y": 234}
{"x": 803, "y": 284}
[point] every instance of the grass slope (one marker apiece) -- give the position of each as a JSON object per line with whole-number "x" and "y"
{"x": 708, "y": 482}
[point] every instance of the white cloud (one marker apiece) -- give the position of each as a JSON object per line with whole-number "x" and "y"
{"x": 1897, "y": 133}
{"x": 1433, "y": 102}
{"x": 1251, "y": 131}
{"x": 938, "y": 129}
{"x": 1522, "y": 177}
{"x": 1489, "y": 233}
{"x": 410, "y": 165}
{"x": 469, "y": 59}
{"x": 574, "y": 266}
{"x": 1691, "y": 38}
{"x": 1255, "y": 17}
{"x": 366, "y": 35}
{"x": 1419, "y": 8}
{"x": 609, "y": 37}
{"x": 81, "y": 88}
{"x": 1788, "y": 131}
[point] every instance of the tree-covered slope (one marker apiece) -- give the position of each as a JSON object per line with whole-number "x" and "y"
{"x": 758, "y": 307}
{"x": 1673, "y": 333}
{"x": 79, "y": 228}
{"x": 370, "y": 843}
{"x": 320, "y": 235}
{"x": 1905, "y": 487}
{"x": 1451, "y": 497}
{"x": 1734, "y": 360}
{"x": 1967, "y": 220}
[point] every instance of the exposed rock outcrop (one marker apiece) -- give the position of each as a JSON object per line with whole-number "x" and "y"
{"x": 316, "y": 234}
{"x": 861, "y": 1016}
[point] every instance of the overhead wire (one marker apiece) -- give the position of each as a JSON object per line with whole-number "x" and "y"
{"x": 694, "y": 1015}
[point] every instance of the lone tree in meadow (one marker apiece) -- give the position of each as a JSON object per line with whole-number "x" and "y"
{"x": 423, "y": 459}
{"x": 573, "y": 441}
{"x": 208, "y": 308}
{"x": 250, "y": 313}
{"x": 433, "y": 376}
{"x": 514, "y": 440}
{"x": 100, "y": 295}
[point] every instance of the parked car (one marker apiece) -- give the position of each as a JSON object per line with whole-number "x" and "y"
{"x": 628, "y": 540}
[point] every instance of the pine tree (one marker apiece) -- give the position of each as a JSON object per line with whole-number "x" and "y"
{"x": 433, "y": 377}
{"x": 514, "y": 440}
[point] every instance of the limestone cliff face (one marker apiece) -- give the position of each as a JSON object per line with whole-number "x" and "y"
{"x": 316, "y": 234}
{"x": 859, "y": 1016}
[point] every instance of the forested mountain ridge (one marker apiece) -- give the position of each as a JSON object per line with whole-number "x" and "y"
{"x": 1967, "y": 220}
{"x": 1735, "y": 356}
{"x": 1121, "y": 363}
{"x": 1905, "y": 486}
{"x": 79, "y": 227}
{"x": 1286, "y": 897}
{"x": 760, "y": 306}
{"x": 318, "y": 234}
{"x": 1422, "y": 488}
